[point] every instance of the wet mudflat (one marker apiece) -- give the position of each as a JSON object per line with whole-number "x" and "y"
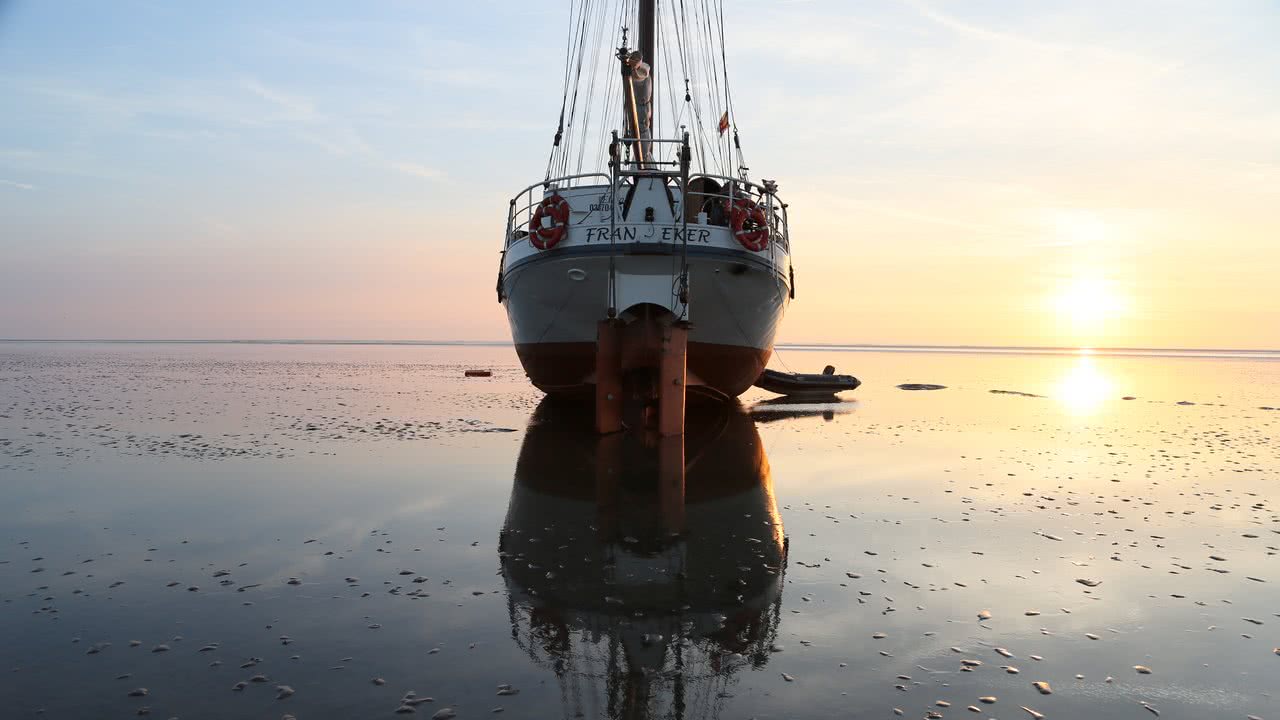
{"x": 205, "y": 531}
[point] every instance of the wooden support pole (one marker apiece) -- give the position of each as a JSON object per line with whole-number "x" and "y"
{"x": 671, "y": 379}
{"x": 671, "y": 483}
{"x": 608, "y": 483}
{"x": 608, "y": 377}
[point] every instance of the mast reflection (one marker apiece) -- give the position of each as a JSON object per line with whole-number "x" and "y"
{"x": 644, "y": 576}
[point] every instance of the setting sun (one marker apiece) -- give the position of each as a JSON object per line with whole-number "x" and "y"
{"x": 1086, "y": 304}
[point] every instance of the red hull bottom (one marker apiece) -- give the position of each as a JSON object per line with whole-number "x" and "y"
{"x": 565, "y": 367}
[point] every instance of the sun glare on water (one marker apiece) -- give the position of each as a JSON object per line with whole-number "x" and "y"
{"x": 1084, "y": 387}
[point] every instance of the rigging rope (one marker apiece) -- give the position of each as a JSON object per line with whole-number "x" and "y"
{"x": 728, "y": 97}
{"x": 577, "y": 82}
{"x": 592, "y": 85}
{"x": 595, "y": 50}
{"x": 574, "y": 32}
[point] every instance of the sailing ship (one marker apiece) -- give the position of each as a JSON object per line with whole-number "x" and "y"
{"x": 646, "y": 261}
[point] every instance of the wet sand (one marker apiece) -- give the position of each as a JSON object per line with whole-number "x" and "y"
{"x": 209, "y": 531}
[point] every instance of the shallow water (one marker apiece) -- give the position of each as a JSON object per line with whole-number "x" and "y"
{"x": 826, "y": 561}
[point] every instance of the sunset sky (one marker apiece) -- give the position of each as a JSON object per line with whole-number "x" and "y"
{"x": 980, "y": 172}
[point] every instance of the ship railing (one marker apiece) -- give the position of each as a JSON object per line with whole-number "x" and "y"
{"x": 520, "y": 210}
{"x": 633, "y": 165}
{"x": 765, "y": 195}
{"x": 521, "y": 207}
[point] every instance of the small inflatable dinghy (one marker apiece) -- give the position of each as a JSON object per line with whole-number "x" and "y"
{"x": 809, "y": 385}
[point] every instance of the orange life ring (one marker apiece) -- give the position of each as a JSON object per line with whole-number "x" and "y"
{"x": 748, "y": 223}
{"x": 556, "y": 208}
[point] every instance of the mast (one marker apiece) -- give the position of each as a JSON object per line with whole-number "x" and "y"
{"x": 647, "y": 41}
{"x": 641, "y": 124}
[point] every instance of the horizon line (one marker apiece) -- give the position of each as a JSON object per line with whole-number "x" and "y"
{"x": 499, "y": 343}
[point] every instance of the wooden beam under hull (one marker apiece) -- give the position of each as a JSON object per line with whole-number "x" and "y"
{"x": 569, "y": 367}
{"x": 640, "y": 374}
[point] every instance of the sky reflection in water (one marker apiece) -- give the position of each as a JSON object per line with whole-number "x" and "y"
{"x": 492, "y": 540}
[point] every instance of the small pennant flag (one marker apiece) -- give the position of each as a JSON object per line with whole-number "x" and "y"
{"x": 724, "y": 122}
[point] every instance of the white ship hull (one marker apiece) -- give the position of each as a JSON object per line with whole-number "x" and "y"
{"x": 555, "y": 298}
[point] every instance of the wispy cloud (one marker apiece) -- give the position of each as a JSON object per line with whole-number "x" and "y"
{"x": 298, "y": 106}
{"x": 337, "y": 140}
{"x": 16, "y": 153}
{"x": 475, "y": 78}
{"x": 421, "y": 171}
{"x": 20, "y": 186}
{"x": 1027, "y": 40}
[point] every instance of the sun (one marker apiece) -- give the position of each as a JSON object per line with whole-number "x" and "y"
{"x": 1086, "y": 303}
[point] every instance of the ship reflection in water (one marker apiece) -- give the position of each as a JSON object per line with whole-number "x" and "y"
{"x": 643, "y": 575}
